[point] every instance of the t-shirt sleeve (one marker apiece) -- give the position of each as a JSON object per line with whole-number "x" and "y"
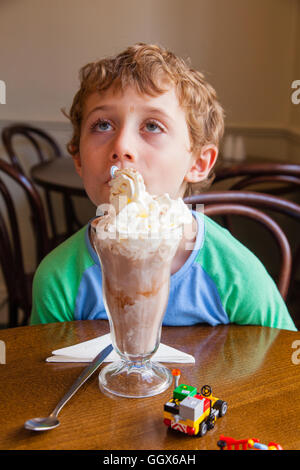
{"x": 57, "y": 279}
{"x": 49, "y": 301}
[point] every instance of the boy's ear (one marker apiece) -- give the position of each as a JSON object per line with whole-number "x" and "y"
{"x": 203, "y": 162}
{"x": 77, "y": 163}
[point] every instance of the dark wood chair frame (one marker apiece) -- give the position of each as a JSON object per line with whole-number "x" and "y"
{"x": 34, "y": 135}
{"x": 259, "y": 173}
{"x": 18, "y": 282}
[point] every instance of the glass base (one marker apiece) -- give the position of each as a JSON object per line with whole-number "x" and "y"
{"x": 135, "y": 379}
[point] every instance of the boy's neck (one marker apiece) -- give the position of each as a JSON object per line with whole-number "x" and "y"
{"x": 185, "y": 247}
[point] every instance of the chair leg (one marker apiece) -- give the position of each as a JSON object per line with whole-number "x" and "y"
{"x": 26, "y": 316}
{"x": 51, "y": 215}
{"x": 295, "y": 267}
{"x": 296, "y": 263}
{"x": 13, "y": 315}
{"x": 70, "y": 216}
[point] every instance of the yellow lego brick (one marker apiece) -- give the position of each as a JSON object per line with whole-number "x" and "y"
{"x": 168, "y": 415}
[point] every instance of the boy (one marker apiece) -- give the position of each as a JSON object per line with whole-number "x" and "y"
{"x": 146, "y": 109}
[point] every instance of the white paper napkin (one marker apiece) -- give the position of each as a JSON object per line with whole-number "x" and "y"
{"x": 86, "y": 351}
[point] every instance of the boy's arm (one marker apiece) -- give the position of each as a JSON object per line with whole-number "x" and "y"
{"x": 49, "y": 302}
{"x": 255, "y": 300}
{"x": 57, "y": 280}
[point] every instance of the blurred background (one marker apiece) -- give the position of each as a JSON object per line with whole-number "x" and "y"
{"x": 248, "y": 49}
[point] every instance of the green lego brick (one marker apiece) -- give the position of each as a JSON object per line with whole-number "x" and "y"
{"x": 183, "y": 391}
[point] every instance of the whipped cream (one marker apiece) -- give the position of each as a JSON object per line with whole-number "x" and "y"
{"x": 134, "y": 216}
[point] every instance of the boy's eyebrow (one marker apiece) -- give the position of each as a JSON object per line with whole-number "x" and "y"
{"x": 104, "y": 107}
{"x": 159, "y": 111}
{"x": 149, "y": 110}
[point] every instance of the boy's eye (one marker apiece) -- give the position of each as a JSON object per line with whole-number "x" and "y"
{"x": 153, "y": 127}
{"x": 102, "y": 125}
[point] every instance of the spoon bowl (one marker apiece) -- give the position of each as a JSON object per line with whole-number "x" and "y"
{"x": 113, "y": 169}
{"x": 42, "y": 424}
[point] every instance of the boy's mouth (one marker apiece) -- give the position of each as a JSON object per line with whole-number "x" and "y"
{"x": 109, "y": 178}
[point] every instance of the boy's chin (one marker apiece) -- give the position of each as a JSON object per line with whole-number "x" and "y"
{"x": 98, "y": 200}
{"x": 103, "y": 196}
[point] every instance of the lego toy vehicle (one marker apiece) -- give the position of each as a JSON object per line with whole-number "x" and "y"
{"x": 190, "y": 412}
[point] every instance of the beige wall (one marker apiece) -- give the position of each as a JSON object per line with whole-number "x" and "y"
{"x": 295, "y": 109}
{"x": 245, "y": 47}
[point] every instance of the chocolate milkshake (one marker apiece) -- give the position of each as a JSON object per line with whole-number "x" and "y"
{"x": 136, "y": 241}
{"x": 135, "y": 295}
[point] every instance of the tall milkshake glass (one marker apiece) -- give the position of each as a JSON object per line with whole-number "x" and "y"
{"x": 135, "y": 291}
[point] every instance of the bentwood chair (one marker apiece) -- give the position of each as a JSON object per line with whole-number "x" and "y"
{"x": 272, "y": 178}
{"x": 44, "y": 147}
{"x": 18, "y": 282}
{"x": 261, "y": 173}
{"x": 252, "y": 205}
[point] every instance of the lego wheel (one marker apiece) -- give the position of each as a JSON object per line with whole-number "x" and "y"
{"x": 206, "y": 391}
{"x": 211, "y": 422}
{"x": 221, "y": 406}
{"x": 202, "y": 429}
{"x": 221, "y": 444}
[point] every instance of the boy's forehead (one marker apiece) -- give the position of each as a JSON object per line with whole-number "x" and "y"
{"x": 167, "y": 99}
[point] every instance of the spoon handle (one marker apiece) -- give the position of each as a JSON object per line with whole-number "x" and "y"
{"x": 82, "y": 378}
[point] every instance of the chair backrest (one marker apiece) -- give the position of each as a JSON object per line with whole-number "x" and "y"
{"x": 37, "y": 138}
{"x": 38, "y": 219}
{"x": 34, "y": 136}
{"x": 250, "y": 204}
{"x": 10, "y": 251}
{"x": 253, "y": 174}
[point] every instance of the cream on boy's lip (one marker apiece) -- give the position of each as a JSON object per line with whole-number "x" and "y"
{"x": 109, "y": 175}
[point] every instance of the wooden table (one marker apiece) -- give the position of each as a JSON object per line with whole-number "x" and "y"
{"x": 249, "y": 367}
{"x": 58, "y": 175}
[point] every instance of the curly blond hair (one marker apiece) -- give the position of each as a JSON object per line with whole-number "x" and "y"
{"x": 151, "y": 69}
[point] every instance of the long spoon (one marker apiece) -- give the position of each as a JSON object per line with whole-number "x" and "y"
{"x": 113, "y": 169}
{"x": 51, "y": 421}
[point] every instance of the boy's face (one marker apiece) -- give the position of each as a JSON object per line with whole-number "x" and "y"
{"x": 131, "y": 130}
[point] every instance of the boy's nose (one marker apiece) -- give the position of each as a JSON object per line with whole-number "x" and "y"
{"x": 122, "y": 156}
{"x": 123, "y": 148}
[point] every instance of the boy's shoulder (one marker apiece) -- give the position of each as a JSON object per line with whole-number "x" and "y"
{"x": 57, "y": 279}
{"x": 69, "y": 254}
{"x": 222, "y": 247}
